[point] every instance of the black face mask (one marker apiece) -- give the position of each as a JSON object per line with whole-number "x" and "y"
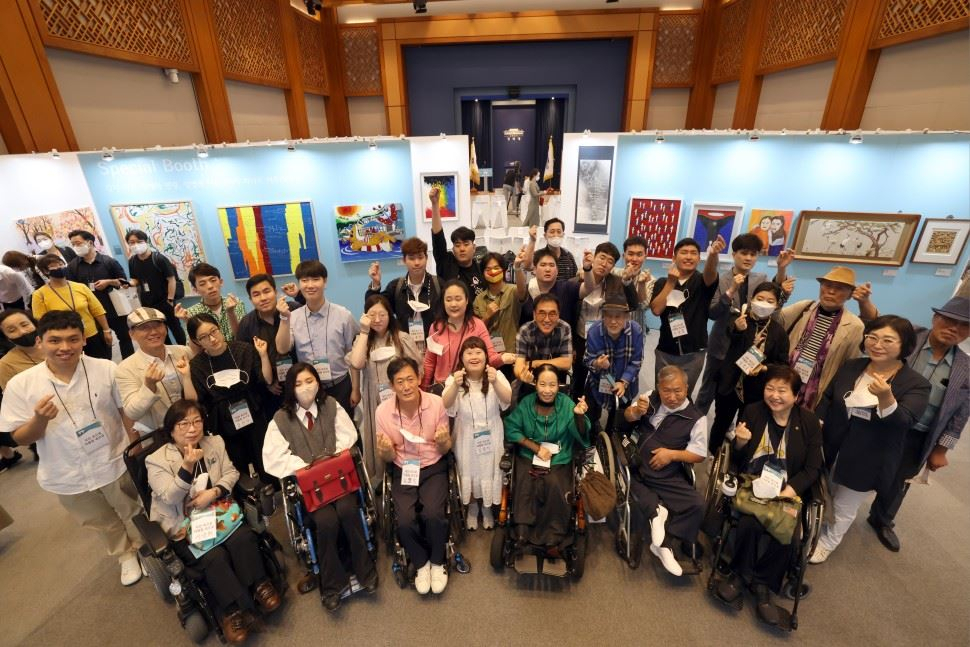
{"x": 57, "y": 273}
{"x": 26, "y": 341}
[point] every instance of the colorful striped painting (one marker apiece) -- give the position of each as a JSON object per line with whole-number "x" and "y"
{"x": 270, "y": 238}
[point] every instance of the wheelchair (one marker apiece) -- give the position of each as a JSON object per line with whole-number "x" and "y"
{"x": 721, "y": 491}
{"x": 403, "y": 569}
{"x": 172, "y": 579}
{"x": 302, "y": 530}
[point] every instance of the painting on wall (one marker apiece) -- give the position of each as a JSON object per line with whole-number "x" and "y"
{"x": 593, "y": 183}
{"x": 447, "y": 198}
{"x": 941, "y": 241}
{"x": 369, "y": 233}
{"x": 772, "y": 227}
{"x": 708, "y": 220}
{"x": 59, "y": 225}
{"x": 171, "y": 229}
{"x": 268, "y": 238}
{"x": 656, "y": 220}
{"x": 868, "y": 238}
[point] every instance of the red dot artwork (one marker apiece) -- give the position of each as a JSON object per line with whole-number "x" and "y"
{"x": 657, "y": 220}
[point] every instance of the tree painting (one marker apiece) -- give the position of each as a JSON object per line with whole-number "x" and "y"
{"x": 58, "y": 225}
{"x": 861, "y": 238}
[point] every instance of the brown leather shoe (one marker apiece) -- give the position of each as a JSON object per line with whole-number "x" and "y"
{"x": 234, "y": 628}
{"x": 266, "y": 596}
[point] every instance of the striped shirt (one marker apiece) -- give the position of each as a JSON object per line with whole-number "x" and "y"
{"x": 816, "y": 336}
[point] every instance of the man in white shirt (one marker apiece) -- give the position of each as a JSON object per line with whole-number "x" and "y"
{"x": 156, "y": 375}
{"x": 15, "y": 290}
{"x": 70, "y": 406}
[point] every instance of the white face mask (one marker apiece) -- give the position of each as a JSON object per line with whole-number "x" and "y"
{"x": 555, "y": 242}
{"x": 306, "y": 394}
{"x": 82, "y": 250}
{"x": 761, "y": 309}
{"x": 139, "y": 248}
{"x": 45, "y": 244}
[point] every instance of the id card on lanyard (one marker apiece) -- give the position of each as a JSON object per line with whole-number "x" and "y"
{"x": 241, "y": 415}
{"x": 202, "y": 525}
{"x": 416, "y": 329}
{"x": 411, "y": 472}
{"x": 483, "y": 441}
{"x": 283, "y": 366}
{"x": 678, "y": 326}
{"x": 92, "y": 437}
{"x": 323, "y": 369}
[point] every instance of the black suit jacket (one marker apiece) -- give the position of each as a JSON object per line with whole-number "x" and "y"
{"x": 804, "y": 449}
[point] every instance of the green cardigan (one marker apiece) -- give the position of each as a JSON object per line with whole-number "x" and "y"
{"x": 559, "y": 427}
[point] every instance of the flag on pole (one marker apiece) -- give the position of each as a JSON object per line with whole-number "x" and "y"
{"x": 473, "y": 166}
{"x": 550, "y": 163}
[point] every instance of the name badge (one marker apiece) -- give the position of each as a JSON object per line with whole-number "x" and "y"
{"x": 483, "y": 442}
{"x": 323, "y": 369}
{"x": 678, "y": 327}
{"x": 804, "y": 368}
{"x": 768, "y": 485}
{"x": 750, "y": 360}
{"x": 607, "y": 382}
{"x": 283, "y": 367}
{"x": 92, "y": 437}
{"x": 859, "y": 412}
{"x": 202, "y": 525}
{"x": 241, "y": 415}
{"x": 411, "y": 472}
{"x": 147, "y": 288}
{"x": 435, "y": 347}
{"x": 498, "y": 343}
{"x": 384, "y": 391}
{"x": 416, "y": 329}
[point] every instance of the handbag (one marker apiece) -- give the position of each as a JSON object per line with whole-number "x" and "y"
{"x": 599, "y": 495}
{"x": 124, "y": 300}
{"x": 327, "y": 479}
{"x": 779, "y": 516}
{"x": 228, "y": 518}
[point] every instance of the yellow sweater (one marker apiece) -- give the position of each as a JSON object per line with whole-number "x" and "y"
{"x": 74, "y": 296}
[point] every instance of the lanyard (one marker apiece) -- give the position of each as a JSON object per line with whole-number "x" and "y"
{"x": 87, "y": 382}
{"x": 471, "y": 407}
{"x": 70, "y": 293}
{"x": 168, "y": 358}
{"x": 326, "y": 338}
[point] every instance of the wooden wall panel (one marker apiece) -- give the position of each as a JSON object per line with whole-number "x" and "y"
{"x": 906, "y": 20}
{"x": 673, "y": 65}
{"x": 733, "y": 25}
{"x": 250, "y": 41}
{"x": 360, "y": 50}
{"x": 801, "y": 33}
{"x": 313, "y": 67}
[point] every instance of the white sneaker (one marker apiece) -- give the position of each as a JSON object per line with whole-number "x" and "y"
{"x": 657, "y": 531}
{"x": 439, "y": 578}
{"x": 820, "y": 555}
{"x": 422, "y": 579}
{"x": 667, "y": 559}
{"x": 471, "y": 519}
{"x": 130, "y": 569}
{"x": 488, "y": 521}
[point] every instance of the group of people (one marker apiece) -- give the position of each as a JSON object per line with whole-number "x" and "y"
{"x": 525, "y": 350}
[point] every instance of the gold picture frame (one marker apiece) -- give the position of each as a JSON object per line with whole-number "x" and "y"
{"x": 852, "y": 237}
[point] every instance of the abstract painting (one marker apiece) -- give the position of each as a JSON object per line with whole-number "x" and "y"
{"x": 868, "y": 238}
{"x": 59, "y": 225}
{"x": 268, "y": 238}
{"x": 772, "y": 227}
{"x": 447, "y": 198}
{"x": 369, "y": 233}
{"x": 171, "y": 229}
{"x": 594, "y": 178}
{"x": 941, "y": 241}
{"x": 709, "y": 220}
{"x": 656, "y": 220}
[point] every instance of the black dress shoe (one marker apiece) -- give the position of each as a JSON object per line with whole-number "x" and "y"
{"x": 887, "y": 536}
{"x": 767, "y": 612}
{"x": 331, "y": 601}
{"x": 729, "y": 590}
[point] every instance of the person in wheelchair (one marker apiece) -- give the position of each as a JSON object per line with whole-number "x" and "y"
{"x": 190, "y": 476}
{"x": 773, "y": 437}
{"x": 413, "y": 435}
{"x": 547, "y": 426}
{"x": 673, "y": 436}
{"x": 311, "y": 424}
{"x": 614, "y": 353}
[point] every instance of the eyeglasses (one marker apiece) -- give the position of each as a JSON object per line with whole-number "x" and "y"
{"x": 209, "y": 336}
{"x": 881, "y": 341}
{"x": 543, "y": 314}
{"x": 186, "y": 425}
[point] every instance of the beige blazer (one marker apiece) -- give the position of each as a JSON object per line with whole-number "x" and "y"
{"x": 169, "y": 492}
{"x": 845, "y": 343}
{"x": 142, "y": 405}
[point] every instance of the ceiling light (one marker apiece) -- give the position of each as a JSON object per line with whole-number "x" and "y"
{"x": 420, "y": 6}
{"x": 753, "y": 136}
{"x": 106, "y": 155}
{"x": 856, "y": 138}
{"x": 443, "y": 135}
{"x": 55, "y": 154}
{"x": 372, "y": 145}
{"x": 201, "y": 152}
{"x": 291, "y": 146}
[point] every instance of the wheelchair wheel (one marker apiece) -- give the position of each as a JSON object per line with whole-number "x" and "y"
{"x": 604, "y": 447}
{"x": 497, "y": 553}
{"x": 387, "y": 517}
{"x": 158, "y": 575}
{"x": 196, "y": 627}
{"x": 456, "y": 510}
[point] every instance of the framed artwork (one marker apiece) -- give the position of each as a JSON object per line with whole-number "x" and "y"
{"x": 772, "y": 226}
{"x": 447, "y": 199}
{"x": 171, "y": 229}
{"x": 59, "y": 225}
{"x": 708, "y": 220}
{"x": 369, "y": 233}
{"x": 656, "y": 220}
{"x": 942, "y": 241}
{"x": 594, "y": 179}
{"x": 268, "y": 238}
{"x": 867, "y": 238}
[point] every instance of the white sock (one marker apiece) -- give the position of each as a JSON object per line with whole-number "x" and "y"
{"x": 473, "y": 510}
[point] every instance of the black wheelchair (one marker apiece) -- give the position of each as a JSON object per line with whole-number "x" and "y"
{"x": 172, "y": 579}
{"x": 403, "y": 569}
{"x": 302, "y": 530}
{"x": 721, "y": 489}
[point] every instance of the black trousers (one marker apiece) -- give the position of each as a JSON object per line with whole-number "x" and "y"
{"x": 173, "y": 323}
{"x": 683, "y": 502}
{"x": 726, "y": 407}
{"x": 541, "y": 512}
{"x": 340, "y": 391}
{"x": 245, "y": 448}
{"x": 230, "y": 569}
{"x": 96, "y": 346}
{"x": 758, "y": 557}
{"x": 341, "y": 516}
{"x": 431, "y": 493}
{"x": 119, "y": 326}
{"x": 709, "y": 382}
{"x": 888, "y": 500}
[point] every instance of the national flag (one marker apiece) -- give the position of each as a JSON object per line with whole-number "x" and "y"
{"x": 550, "y": 164}
{"x": 473, "y": 166}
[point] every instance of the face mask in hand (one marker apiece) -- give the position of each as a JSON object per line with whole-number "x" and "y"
{"x": 555, "y": 242}
{"x": 761, "y": 309}
{"x": 306, "y": 394}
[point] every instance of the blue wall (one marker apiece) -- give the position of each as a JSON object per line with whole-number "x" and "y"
{"x": 597, "y": 68}
{"x": 924, "y": 174}
{"x": 326, "y": 174}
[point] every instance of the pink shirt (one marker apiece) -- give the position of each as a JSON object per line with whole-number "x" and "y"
{"x": 437, "y": 368}
{"x": 431, "y": 415}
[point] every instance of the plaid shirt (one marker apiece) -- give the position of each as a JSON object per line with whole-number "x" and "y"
{"x": 531, "y": 344}
{"x": 223, "y": 317}
{"x": 625, "y": 354}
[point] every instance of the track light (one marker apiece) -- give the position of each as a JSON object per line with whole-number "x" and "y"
{"x": 420, "y": 6}
{"x": 856, "y": 138}
{"x": 372, "y": 145}
{"x": 312, "y": 7}
{"x": 107, "y": 155}
{"x": 55, "y": 154}
{"x": 659, "y": 139}
{"x": 291, "y": 145}
{"x": 201, "y": 152}
{"x": 443, "y": 135}
{"x": 753, "y": 136}
{"x": 586, "y": 133}
{"x": 172, "y": 74}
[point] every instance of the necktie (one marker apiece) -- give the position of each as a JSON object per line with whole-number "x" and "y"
{"x": 309, "y": 420}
